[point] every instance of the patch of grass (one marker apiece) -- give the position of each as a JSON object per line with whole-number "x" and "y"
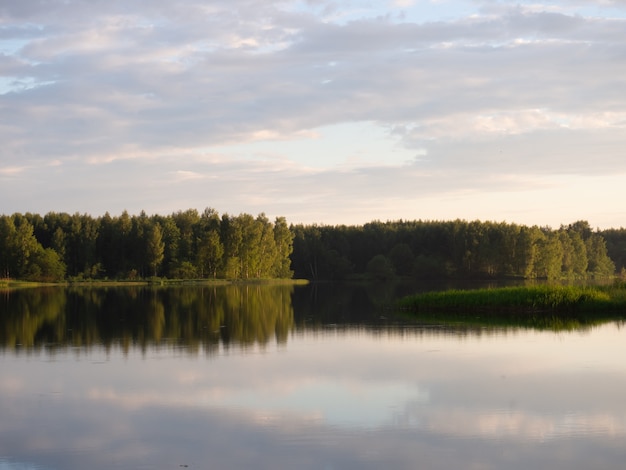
{"x": 555, "y": 307}
{"x": 152, "y": 281}
{"x": 12, "y": 283}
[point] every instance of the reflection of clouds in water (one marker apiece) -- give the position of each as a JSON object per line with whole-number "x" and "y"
{"x": 11, "y": 385}
{"x": 12, "y": 465}
{"x": 348, "y": 400}
{"x": 344, "y": 403}
{"x": 366, "y": 406}
{"x": 524, "y": 425}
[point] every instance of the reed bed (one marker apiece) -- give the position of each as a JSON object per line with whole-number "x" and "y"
{"x": 545, "y": 299}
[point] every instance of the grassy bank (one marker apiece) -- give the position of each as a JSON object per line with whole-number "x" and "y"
{"x": 149, "y": 282}
{"x": 536, "y": 306}
{"x": 13, "y": 284}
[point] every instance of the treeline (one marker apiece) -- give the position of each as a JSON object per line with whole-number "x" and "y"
{"x": 184, "y": 245}
{"x": 454, "y": 249}
{"x": 191, "y": 245}
{"x": 616, "y": 247}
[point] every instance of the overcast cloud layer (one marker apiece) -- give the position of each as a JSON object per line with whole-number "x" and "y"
{"x": 320, "y": 111}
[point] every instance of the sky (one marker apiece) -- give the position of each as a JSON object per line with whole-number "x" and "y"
{"x": 321, "y": 111}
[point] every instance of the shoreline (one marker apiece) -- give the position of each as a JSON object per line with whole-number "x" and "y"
{"x": 18, "y": 284}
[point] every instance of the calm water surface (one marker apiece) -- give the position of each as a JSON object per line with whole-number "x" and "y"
{"x": 272, "y": 377}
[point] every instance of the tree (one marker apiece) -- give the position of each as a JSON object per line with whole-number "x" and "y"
{"x": 22, "y": 256}
{"x": 171, "y": 239}
{"x": 188, "y": 225}
{"x": 250, "y": 251}
{"x": 58, "y": 242}
{"x": 616, "y": 246}
{"x": 210, "y": 253}
{"x": 268, "y": 252}
{"x": 430, "y": 267}
{"x": 46, "y": 266}
{"x": 567, "y": 247}
{"x": 232, "y": 237}
{"x": 232, "y": 268}
{"x": 402, "y": 258}
{"x": 336, "y": 265}
{"x": 380, "y": 267}
{"x": 599, "y": 262}
{"x": 527, "y": 251}
{"x": 283, "y": 238}
{"x": 579, "y": 261}
{"x": 8, "y": 252}
{"x": 82, "y": 235}
{"x": 581, "y": 227}
{"x": 25, "y": 245}
{"x": 154, "y": 248}
{"x": 574, "y": 253}
{"x": 549, "y": 257}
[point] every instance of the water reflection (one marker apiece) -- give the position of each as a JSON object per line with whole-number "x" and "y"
{"x": 208, "y": 319}
{"x": 116, "y": 379}
{"x": 345, "y": 400}
{"x": 143, "y": 316}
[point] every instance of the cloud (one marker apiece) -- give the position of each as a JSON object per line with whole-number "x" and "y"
{"x": 516, "y": 89}
{"x": 159, "y": 82}
{"x": 403, "y": 3}
{"x": 11, "y": 171}
{"x": 185, "y": 175}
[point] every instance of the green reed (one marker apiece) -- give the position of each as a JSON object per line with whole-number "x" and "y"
{"x": 543, "y": 307}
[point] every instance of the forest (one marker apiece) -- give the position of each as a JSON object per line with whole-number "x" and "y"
{"x": 192, "y": 245}
{"x": 183, "y": 245}
{"x": 455, "y": 249}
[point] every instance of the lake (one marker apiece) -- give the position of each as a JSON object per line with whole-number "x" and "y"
{"x": 323, "y": 376}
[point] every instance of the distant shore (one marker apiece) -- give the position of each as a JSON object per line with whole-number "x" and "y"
{"x": 14, "y": 283}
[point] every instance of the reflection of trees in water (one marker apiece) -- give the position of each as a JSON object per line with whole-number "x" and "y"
{"x": 369, "y": 306}
{"x": 28, "y": 316}
{"x": 190, "y": 317}
{"x": 351, "y": 303}
{"x": 209, "y": 317}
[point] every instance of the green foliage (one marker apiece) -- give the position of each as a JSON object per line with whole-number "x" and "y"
{"x": 155, "y": 248}
{"x": 22, "y": 256}
{"x": 46, "y": 266}
{"x": 402, "y": 258}
{"x": 599, "y": 262}
{"x": 183, "y": 245}
{"x": 187, "y": 244}
{"x": 458, "y": 249}
{"x": 380, "y": 268}
{"x": 542, "y": 300}
{"x": 543, "y": 307}
{"x": 283, "y": 239}
{"x": 427, "y": 267}
{"x": 210, "y": 253}
{"x": 548, "y": 263}
{"x": 616, "y": 247}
